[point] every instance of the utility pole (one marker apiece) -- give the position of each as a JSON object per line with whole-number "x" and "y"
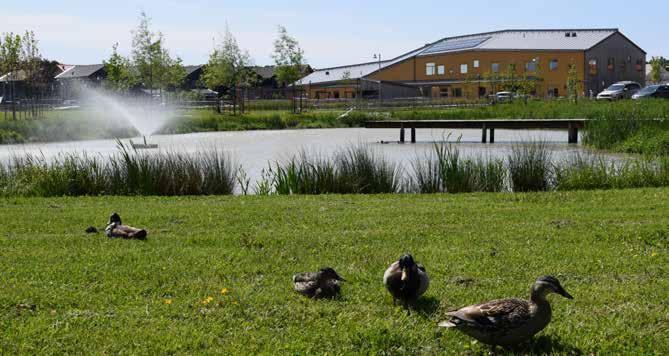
{"x": 378, "y": 56}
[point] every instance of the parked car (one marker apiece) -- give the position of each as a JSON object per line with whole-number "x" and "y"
{"x": 504, "y": 96}
{"x": 653, "y": 91}
{"x": 620, "y": 90}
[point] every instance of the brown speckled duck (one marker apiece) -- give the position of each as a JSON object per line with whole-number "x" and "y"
{"x": 321, "y": 284}
{"x": 508, "y": 322}
{"x": 406, "y": 280}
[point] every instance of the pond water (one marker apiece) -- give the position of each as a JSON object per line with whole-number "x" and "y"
{"x": 254, "y": 149}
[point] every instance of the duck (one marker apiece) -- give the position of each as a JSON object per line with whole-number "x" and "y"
{"x": 115, "y": 228}
{"x": 406, "y": 280}
{"x": 322, "y": 284}
{"x": 508, "y": 322}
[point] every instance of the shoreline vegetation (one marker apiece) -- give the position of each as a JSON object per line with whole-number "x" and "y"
{"x": 207, "y": 277}
{"x": 359, "y": 169}
{"x": 624, "y": 126}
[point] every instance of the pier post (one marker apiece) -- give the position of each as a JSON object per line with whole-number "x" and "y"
{"x": 492, "y": 135}
{"x": 484, "y": 134}
{"x": 402, "y": 134}
{"x": 413, "y": 135}
{"x": 573, "y": 134}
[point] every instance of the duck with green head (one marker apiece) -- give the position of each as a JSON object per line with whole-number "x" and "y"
{"x": 508, "y": 322}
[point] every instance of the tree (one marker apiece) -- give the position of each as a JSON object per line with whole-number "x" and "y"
{"x": 154, "y": 67}
{"x": 119, "y": 72}
{"x": 228, "y": 65}
{"x": 30, "y": 61}
{"x": 10, "y": 59}
{"x": 656, "y": 69}
{"x": 288, "y": 57}
{"x": 573, "y": 84}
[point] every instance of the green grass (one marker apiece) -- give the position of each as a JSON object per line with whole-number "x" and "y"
{"x": 610, "y": 249}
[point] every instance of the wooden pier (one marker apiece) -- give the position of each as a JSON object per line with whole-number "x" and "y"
{"x": 571, "y": 125}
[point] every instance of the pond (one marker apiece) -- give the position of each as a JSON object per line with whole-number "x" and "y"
{"x": 254, "y": 149}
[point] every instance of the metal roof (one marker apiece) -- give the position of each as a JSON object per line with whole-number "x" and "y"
{"x": 354, "y": 71}
{"x": 512, "y": 40}
{"x": 560, "y": 40}
{"x": 80, "y": 71}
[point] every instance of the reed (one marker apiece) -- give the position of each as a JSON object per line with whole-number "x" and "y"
{"x": 529, "y": 167}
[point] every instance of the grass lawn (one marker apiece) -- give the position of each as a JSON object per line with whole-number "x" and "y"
{"x": 610, "y": 250}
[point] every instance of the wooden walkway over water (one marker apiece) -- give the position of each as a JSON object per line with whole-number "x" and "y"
{"x": 571, "y": 125}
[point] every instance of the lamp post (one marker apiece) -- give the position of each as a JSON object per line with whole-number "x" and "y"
{"x": 378, "y": 57}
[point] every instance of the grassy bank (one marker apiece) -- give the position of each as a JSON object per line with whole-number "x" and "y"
{"x": 214, "y": 275}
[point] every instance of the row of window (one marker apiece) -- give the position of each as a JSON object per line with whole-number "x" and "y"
{"x": 611, "y": 65}
{"x": 532, "y": 66}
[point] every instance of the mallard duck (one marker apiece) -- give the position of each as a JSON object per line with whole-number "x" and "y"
{"x": 321, "y": 284}
{"x": 115, "y": 228}
{"x": 508, "y": 322}
{"x": 406, "y": 280}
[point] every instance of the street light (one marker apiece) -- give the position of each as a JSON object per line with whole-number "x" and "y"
{"x": 378, "y": 56}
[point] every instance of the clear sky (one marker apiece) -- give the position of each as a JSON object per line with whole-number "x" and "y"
{"x": 335, "y": 32}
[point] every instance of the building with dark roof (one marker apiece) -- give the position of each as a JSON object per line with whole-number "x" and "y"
{"x": 479, "y": 64}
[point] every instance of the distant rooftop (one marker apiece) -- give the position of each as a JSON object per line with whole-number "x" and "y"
{"x": 80, "y": 71}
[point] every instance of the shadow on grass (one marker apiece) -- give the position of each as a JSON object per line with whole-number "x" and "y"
{"x": 426, "y": 306}
{"x": 545, "y": 344}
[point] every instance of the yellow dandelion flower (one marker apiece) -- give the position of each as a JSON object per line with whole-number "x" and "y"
{"x": 224, "y": 291}
{"x": 167, "y": 301}
{"x": 653, "y": 254}
{"x": 207, "y": 300}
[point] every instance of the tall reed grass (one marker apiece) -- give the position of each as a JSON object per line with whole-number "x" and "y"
{"x": 445, "y": 170}
{"x": 354, "y": 170}
{"x": 529, "y": 167}
{"x": 125, "y": 173}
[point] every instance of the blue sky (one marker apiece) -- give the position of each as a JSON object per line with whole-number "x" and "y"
{"x": 331, "y": 32}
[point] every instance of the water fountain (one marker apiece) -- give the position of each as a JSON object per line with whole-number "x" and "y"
{"x": 143, "y": 114}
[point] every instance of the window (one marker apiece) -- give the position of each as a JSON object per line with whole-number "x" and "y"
{"x": 495, "y": 68}
{"x": 457, "y": 92}
{"x": 441, "y": 70}
{"x": 639, "y": 65}
{"x": 443, "y": 92}
{"x": 553, "y": 65}
{"x": 611, "y": 64}
{"x": 463, "y": 69}
{"x": 593, "y": 66}
{"x": 553, "y": 92}
{"x": 531, "y": 66}
{"x": 429, "y": 69}
{"x": 476, "y": 63}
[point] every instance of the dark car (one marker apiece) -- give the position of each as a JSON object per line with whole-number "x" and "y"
{"x": 653, "y": 91}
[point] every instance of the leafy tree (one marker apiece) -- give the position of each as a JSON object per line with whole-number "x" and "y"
{"x": 228, "y": 65}
{"x": 119, "y": 72}
{"x": 10, "y": 60}
{"x": 288, "y": 57}
{"x": 656, "y": 69}
{"x": 573, "y": 83}
{"x": 154, "y": 67}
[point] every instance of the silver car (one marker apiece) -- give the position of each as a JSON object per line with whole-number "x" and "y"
{"x": 620, "y": 90}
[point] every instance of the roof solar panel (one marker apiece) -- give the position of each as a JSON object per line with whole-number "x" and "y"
{"x": 454, "y": 45}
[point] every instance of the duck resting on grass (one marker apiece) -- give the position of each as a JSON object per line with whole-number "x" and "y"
{"x": 115, "y": 228}
{"x": 508, "y": 322}
{"x": 321, "y": 284}
{"x": 406, "y": 280}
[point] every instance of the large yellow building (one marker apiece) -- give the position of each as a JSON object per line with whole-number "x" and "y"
{"x": 473, "y": 66}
